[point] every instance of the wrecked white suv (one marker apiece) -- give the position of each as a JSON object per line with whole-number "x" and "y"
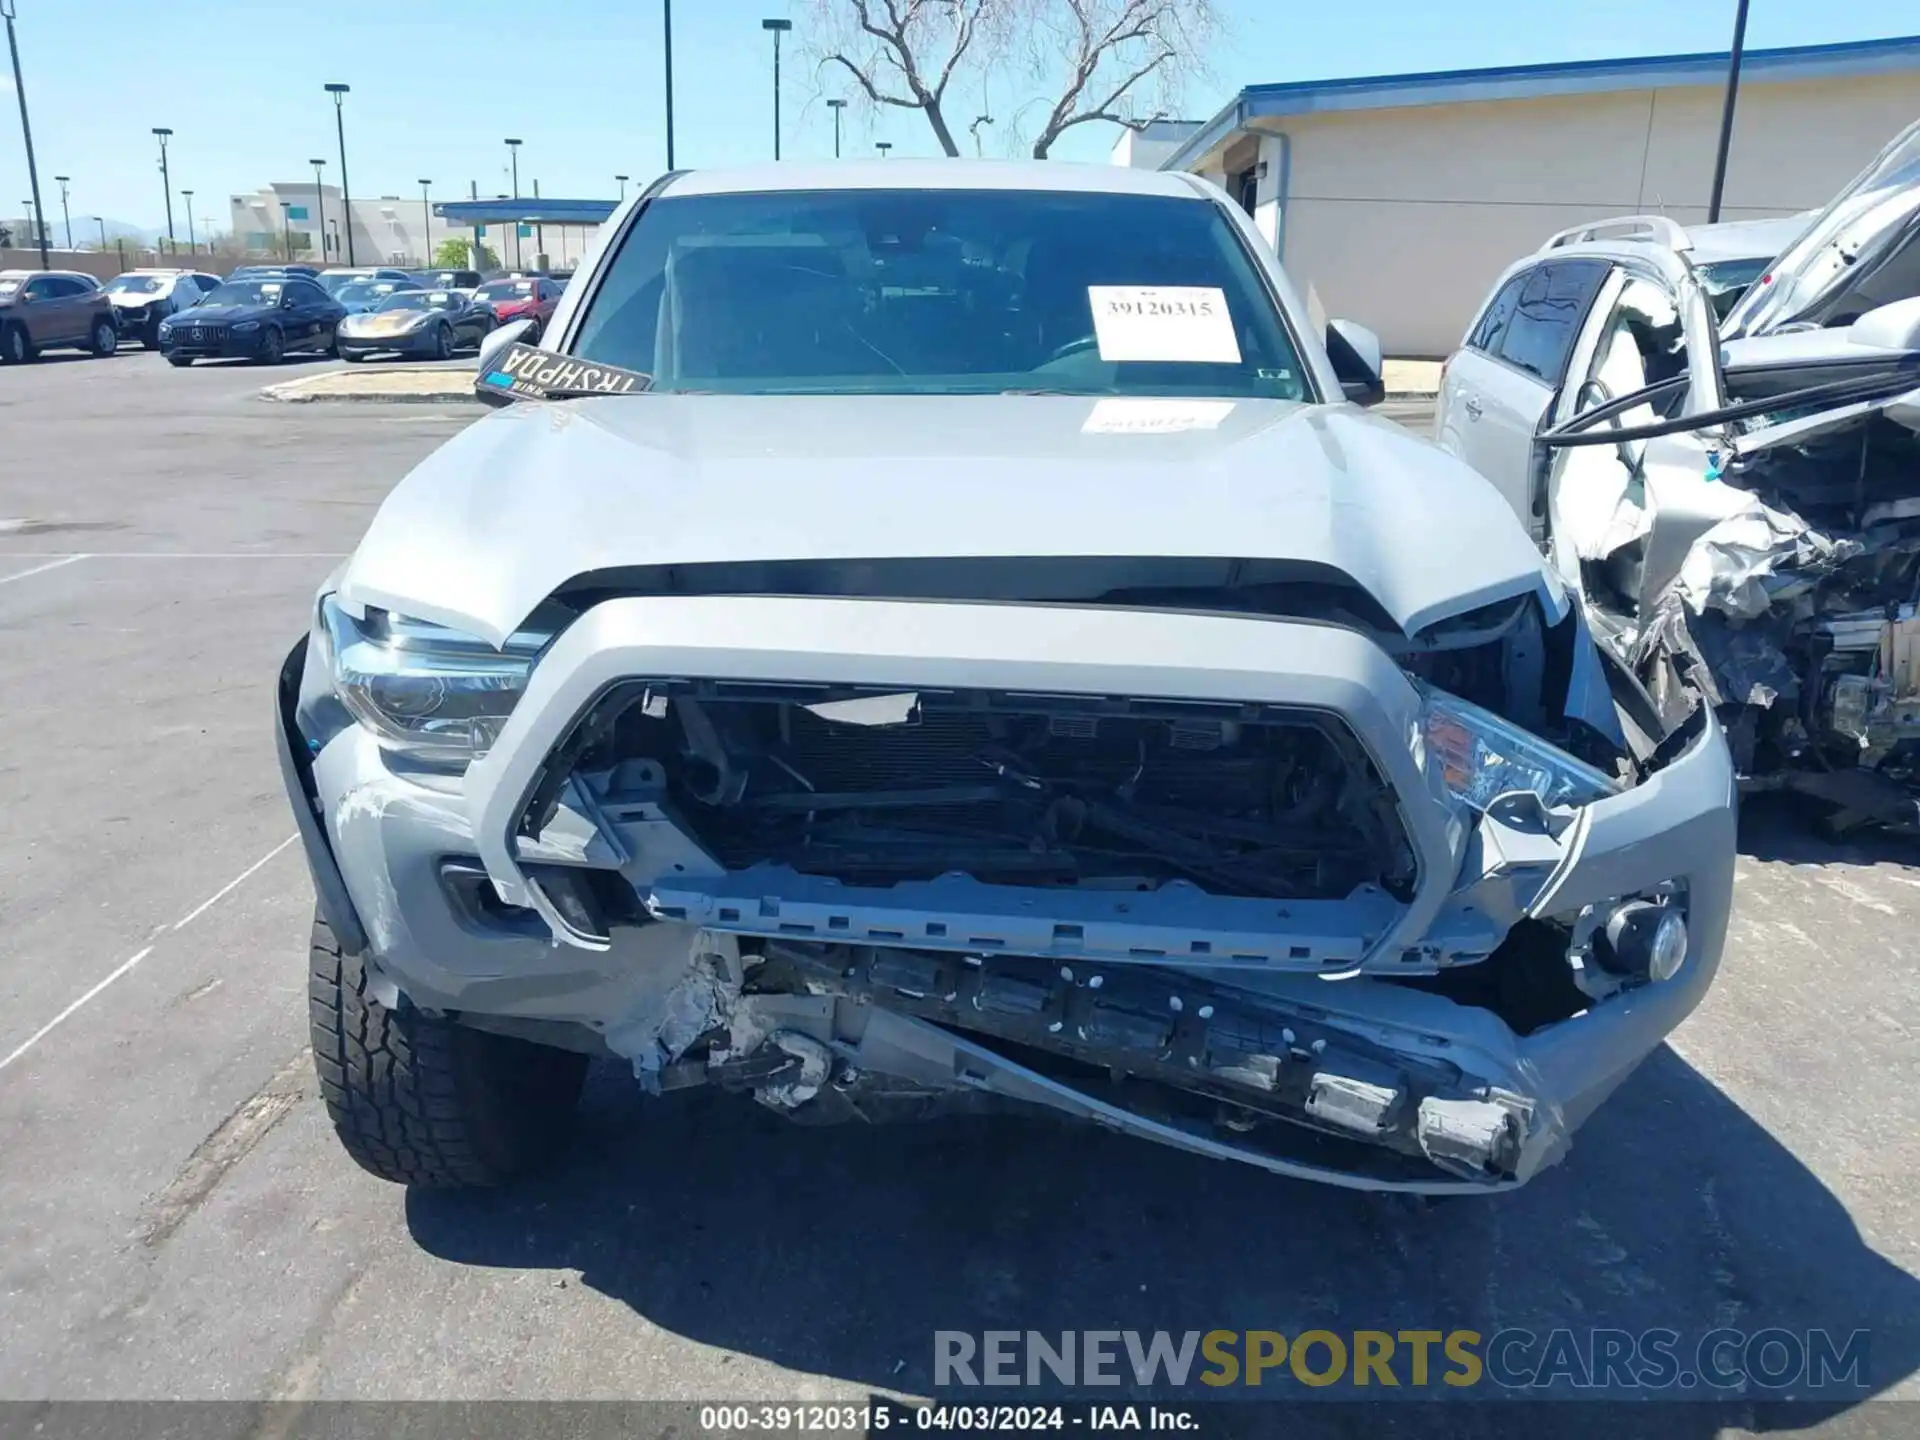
{"x": 1736, "y": 502}
{"x": 932, "y": 637}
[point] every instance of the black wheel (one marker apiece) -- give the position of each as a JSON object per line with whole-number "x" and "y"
{"x": 423, "y": 1101}
{"x": 333, "y": 344}
{"x": 442, "y": 343}
{"x": 150, "y": 335}
{"x": 105, "y": 338}
{"x": 15, "y": 347}
{"x": 352, "y": 357}
{"x": 272, "y": 346}
{"x": 180, "y": 361}
{"x": 532, "y": 337}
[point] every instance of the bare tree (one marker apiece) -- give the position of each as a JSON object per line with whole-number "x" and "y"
{"x": 904, "y": 53}
{"x": 1113, "y": 61}
{"x": 1117, "y": 51}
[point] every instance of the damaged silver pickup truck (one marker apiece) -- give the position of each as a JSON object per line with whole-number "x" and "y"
{"x": 1736, "y": 504}
{"x": 940, "y": 637}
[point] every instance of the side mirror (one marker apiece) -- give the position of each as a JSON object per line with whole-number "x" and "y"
{"x": 1355, "y": 353}
{"x": 491, "y": 349}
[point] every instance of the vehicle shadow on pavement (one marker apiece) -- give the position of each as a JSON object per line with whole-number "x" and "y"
{"x": 840, "y": 1251}
{"x": 1775, "y": 827}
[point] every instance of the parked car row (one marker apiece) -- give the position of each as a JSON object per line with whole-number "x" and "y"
{"x": 263, "y": 312}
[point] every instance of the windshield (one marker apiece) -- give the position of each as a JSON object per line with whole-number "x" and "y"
{"x": 1727, "y": 280}
{"x": 419, "y": 300}
{"x": 505, "y": 289}
{"x": 365, "y": 292}
{"x": 932, "y": 292}
{"x": 334, "y": 281}
{"x": 138, "y": 284}
{"x": 245, "y": 292}
{"x": 8, "y": 285}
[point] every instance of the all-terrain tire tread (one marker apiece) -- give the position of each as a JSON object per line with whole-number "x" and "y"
{"x": 395, "y": 1087}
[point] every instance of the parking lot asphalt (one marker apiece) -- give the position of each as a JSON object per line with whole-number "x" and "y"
{"x": 177, "y": 1220}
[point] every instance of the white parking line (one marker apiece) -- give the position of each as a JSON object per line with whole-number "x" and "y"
{"x": 128, "y": 964}
{"x": 41, "y": 569}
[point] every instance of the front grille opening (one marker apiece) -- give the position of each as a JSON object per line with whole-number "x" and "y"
{"x": 1117, "y": 794}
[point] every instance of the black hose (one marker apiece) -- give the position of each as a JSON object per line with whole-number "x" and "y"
{"x": 1838, "y": 391}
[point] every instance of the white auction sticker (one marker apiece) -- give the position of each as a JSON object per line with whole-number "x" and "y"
{"x": 1163, "y": 322}
{"x": 1126, "y": 415}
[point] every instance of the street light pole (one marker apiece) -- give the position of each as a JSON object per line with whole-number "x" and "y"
{"x": 26, "y": 129}
{"x": 666, "y": 20}
{"x": 319, "y": 209}
{"x": 286, "y": 227}
{"x": 836, "y": 106}
{"x": 193, "y": 245}
{"x": 1726, "y": 113}
{"x": 513, "y": 149}
{"x": 162, "y": 133}
{"x": 101, "y": 220}
{"x": 426, "y": 227}
{"x": 779, "y": 28}
{"x": 63, "y": 181}
{"x": 623, "y": 184}
{"x": 883, "y": 146}
{"x": 39, "y": 232}
{"x": 339, "y": 93}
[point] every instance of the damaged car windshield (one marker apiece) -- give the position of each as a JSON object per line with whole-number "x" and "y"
{"x": 929, "y": 292}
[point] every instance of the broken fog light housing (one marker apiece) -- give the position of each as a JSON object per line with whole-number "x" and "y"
{"x": 1482, "y": 757}
{"x": 426, "y": 691}
{"x": 1645, "y": 938}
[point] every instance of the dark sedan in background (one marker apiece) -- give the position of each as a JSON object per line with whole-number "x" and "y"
{"x": 430, "y": 323}
{"x": 253, "y": 319}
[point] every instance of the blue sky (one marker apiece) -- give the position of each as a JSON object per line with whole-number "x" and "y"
{"x": 437, "y": 84}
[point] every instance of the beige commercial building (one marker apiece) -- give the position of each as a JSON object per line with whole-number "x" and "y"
{"x": 1399, "y": 198}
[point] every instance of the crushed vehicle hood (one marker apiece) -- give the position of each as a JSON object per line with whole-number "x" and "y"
{"x": 1853, "y": 257}
{"x": 538, "y": 494}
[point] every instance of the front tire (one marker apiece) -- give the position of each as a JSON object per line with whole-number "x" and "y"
{"x": 442, "y": 343}
{"x": 419, "y": 1100}
{"x": 105, "y": 338}
{"x": 272, "y": 346}
{"x": 15, "y": 347}
{"x": 180, "y": 362}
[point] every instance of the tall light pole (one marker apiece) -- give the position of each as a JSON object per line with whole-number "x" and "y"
{"x": 63, "y": 181}
{"x": 39, "y": 230}
{"x": 836, "y": 106}
{"x": 1726, "y": 113}
{"x": 426, "y": 227}
{"x": 101, "y": 221}
{"x": 666, "y": 21}
{"x": 623, "y": 184}
{"x": 339, "y": 93}
{"x": 513, "y": 149}
{"x": 286, "y": 227}
{"x": 193, "y": 245}
{"x": 883, "y": 146}
{"x": 26, "y": 129}
{"x": 162, "y": 133}
{"x": 779, "y": 28}
{"x": 319, "y": 208}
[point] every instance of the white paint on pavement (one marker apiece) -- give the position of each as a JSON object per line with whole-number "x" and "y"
{"x": 128, "y": 964}
{"x": 40, "y": 569}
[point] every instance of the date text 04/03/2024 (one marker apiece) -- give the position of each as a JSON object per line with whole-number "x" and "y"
{"x": 814, "y": 1418}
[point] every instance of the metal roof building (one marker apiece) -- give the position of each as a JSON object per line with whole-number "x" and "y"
{"x": 1398, "y": 198}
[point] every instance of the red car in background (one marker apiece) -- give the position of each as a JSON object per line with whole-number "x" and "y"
{"x": 527, "y": 297}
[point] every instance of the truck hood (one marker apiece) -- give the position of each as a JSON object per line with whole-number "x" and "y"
{"x": 537, "y": 494}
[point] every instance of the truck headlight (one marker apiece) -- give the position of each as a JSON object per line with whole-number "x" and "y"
{"x": 426, "y": 691}
{"x": 1481, "y": 757}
